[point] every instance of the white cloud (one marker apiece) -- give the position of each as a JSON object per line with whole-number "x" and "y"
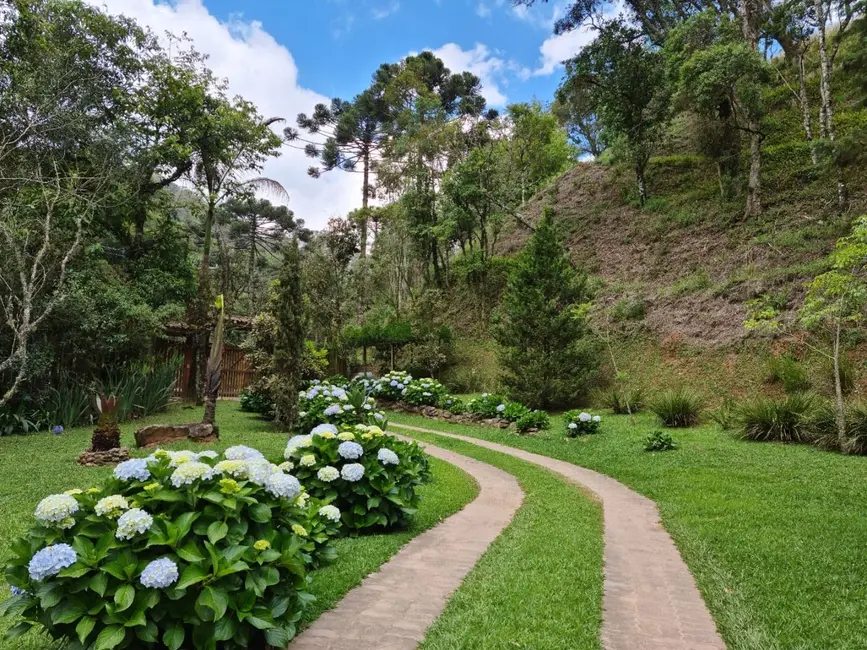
{"x": 385, "y": 12}
{"x": 263, "y": 71}
{"x": 556, "y": 49}
{"x": 482, "y": 63}
{"x": 483, "y": 10}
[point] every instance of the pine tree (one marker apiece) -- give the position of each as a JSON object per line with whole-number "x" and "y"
{"x": 548, "y": 353}
{"x": 289, "y": 339}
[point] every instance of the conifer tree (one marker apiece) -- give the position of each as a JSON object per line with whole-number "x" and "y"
{"x": 548, "y": 354}
{"x": 289, "y": 339}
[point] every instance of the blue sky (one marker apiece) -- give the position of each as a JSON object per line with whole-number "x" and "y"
{"x": 288, "y": 55}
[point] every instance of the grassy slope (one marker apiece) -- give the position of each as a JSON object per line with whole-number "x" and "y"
{"x": 35, "y": 466}
{"x": 774, "y": 534}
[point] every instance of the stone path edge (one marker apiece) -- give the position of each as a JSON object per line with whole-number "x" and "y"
{"x": 392, "y": 608}
{"x": 650, "y": 600}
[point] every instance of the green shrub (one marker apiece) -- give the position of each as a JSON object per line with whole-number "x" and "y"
{"x": 726, "y": 414}
{"x": 788, "y": 371}
{"x": 847, "y": 374}
{"x": 660, "y": 441}
{"x": 66, "y": 402}
{"x": 621, "y": 401}
{"x": 392, "y": 385}
{"x": 489, "y": 405}
{"x": 18, "y": 417}
{"x": 158, "y": 386}
{"x": 424, "y": 392}
{"x": 453, "y": 404}
{"x": 177, "y": 550}
{"x": 856, "y": 429}
{"x": 532, "y": 420}
{"x": 579, "y": 423}
{"x": 370, "y": 476}
{"x": 627, "y": 309}
{"x": 256, "y": 401}
{"x": 324, "y": 402}
{"x": 678, "y": 408}
{"x": 787, "y": 420}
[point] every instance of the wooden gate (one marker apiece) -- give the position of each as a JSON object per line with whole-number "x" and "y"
{"x": 237, "y": 373}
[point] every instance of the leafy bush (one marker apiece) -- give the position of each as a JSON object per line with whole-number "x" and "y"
{"x": 621, "y": 401}
{"x": 392, "y": 385}
{"x": 256, "y": 401}
{"x": 177, "y": 550}
{"x": 488, "y": 405}
{"x": 660, "y": 441}
{"x": 678, "y": 408}
{"x": 856, "y": 429}
{"x": 324, "y": 402}
{"x": 788, "y": 371}
{"x": 424, "y": 392}
{"x": 66, "y": 401}
{"x": 726, "y": 414}
{"x": 453, "y": 404}
{"x": 787, "y": 420}
{"x": 19, "y": 417}
{"x": 158, "y": 386}
{"x": 369, "y": 475}
{"x": 532, "y": 420}
{"x": 579, "y": 423}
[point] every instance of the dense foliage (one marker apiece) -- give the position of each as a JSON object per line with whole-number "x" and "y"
{"x": 327, "y": 403}
{"x": 580, "y": 423}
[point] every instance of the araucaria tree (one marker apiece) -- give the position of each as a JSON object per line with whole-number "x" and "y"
{"x": 548, "y": 352}
{"x": 289, "y": 339}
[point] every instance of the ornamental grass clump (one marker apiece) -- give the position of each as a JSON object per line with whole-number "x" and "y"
{"x": 177, "y": 550}
{"x": 579, "y": 423}
{"x": 333, "y": 404}
{"x": 786, "y": 420}
{"x": 678, "y": 408}
{"x": 371, "y": 477}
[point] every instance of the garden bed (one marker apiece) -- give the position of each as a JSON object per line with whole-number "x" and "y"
{"x": 447, "y": 416}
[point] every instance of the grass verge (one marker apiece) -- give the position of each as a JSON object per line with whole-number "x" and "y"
{"x": 773, "y": 533}
{"x": 37, "y": 465}
{"x": 539, "y": 585}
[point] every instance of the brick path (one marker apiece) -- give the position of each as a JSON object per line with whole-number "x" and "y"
{"x": 392, "y": 609}
{"x": 650, "y": 600}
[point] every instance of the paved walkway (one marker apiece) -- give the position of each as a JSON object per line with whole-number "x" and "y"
{"x": 392, "y": 609}
{"x": 650, "y": 600}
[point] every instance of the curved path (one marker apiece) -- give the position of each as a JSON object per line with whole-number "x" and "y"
{"x": 392, "y": 609}
{"x": 650, "y": 600}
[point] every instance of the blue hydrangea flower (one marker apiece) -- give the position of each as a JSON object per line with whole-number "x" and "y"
{"x": 350, "y": 450}
{"x": 334, "y": 409}
{"x": 137, "y": 469}
{"x": 22, "y": 592}
{"x": 319, "y": 429}
{"x": 585, "y": 417}
{"x": 242, "y": 452}
{"x": 393, "y": 383}
{"x": 379, "y": 417}
{"x": 387, "y": 457}
{"x": 159, "y": 574}
{"x": 352, "y": 472}
{"x": 501, "y": 408}
{"x": 50, "y": 561}
{"x": 57, "y": 429}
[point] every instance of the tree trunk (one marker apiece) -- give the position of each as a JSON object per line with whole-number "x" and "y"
{"x": 251, "y": 271}
{"x": 642, "y": 188}
{"x": 210, "y": 410}
{"x": 754, "y": 184}
{"x": 838, "y": 393}
{"x": 804, "y": 100}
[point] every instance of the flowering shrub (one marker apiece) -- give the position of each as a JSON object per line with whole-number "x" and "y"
{"x": 488, "y": 405}
{"x": 532, "y": 420}
{"x": 324, "y": 402}
{"x": 496, "y": 406}
{"x": 424, "y": 392}
{"x": 178, "y": 550}
{"x": 579, "y": 423}
{"x": 453, "y": 404}
{"x": 369, "y": 476}
{"x": 392, "y": 385}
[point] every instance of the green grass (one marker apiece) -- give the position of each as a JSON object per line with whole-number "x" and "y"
{"x": 775, "y": 534}
{"x": 539, "y": 585}
{"x": 37, "y": 465}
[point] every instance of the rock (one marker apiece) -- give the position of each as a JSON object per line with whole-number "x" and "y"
{"x": 114, "y": 456}
{"x": 157, "y": 434}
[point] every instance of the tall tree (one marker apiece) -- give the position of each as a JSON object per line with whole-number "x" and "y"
{"x": 573, "y": 106}
{"x": 548, "y": 355}
{"x": 289, "y": 338}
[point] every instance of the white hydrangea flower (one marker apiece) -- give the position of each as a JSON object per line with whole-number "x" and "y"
{"x": 56, "y": 508}
{"x": 307, "y": 460}
{"x": 295, "y": 443}
{"x": 352, "y": 472}
{"x": 208, "y": 453}
{"x": 283, "y": 486}
{"x": 159, "y": 574}
{"x": 233, "y": 468}
{"x": 189, "y": 472}
{"x": 501, "y": 408}
{"x": 178, "y": 458}
{"x": 242, "y": 452}
{"x": 346, "y": 435}
{"x": 133, "y": 522}
{"x": 331, "y": 513}
{"x": 572, "y": 425}
{"x": 597, "y": 418}
{"x": 258, "y": 471}
{"x": 328, "y": 474}
{"x": 286, "y": 466}
{"x": 387, "y": 457}
{"x": 585, "y": 417}
{"x": 334, "y": 409}
{"x": 136, "y": 468}
{"x": 301, "y": 499}
{"x": 111, "y": 506}
{"x": 350, "y": 450}
{"x": 319, "y": 429}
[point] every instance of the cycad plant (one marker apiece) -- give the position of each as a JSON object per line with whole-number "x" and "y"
{"x": 106, "y": 435}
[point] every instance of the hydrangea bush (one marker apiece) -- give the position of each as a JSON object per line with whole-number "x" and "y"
{"x": 330, "y": 403}
{"x": 425, "y": 392}
{"x": 371, "y": 477}
{"x": 579, "y": 423}
{"x": 178, "y": 550}
{"x": 393, "y": 385}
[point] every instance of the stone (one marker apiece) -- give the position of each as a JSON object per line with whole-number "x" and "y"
{"x": 158, "y": 434}
{"x": 114, "y": 456}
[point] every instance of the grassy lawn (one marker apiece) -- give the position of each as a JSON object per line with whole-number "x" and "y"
{"x": 539, "y": 585}
{"x": 35, "y": 466}
{"x": 774, "y": 534}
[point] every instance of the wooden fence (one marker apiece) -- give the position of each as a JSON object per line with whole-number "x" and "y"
{"x": 237, "y": 373}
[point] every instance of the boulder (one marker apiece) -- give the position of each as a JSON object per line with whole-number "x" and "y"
{"x": 158, "y": 434}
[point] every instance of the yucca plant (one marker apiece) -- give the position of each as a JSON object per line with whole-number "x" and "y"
{"x": 622, "y": 401}
{"x": 678, "y": 408}
{"x": 786, "y": 420}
